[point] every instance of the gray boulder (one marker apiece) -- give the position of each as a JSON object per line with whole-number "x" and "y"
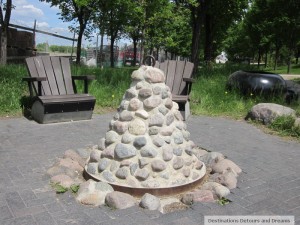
{"x": 267, "y": 112}
{"x": 119, "y": 200}
{"x": 150, "y": 202}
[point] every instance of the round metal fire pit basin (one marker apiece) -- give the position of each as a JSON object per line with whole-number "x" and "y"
{"x": 257, "y": 82}
{"x": 159, "y": 191}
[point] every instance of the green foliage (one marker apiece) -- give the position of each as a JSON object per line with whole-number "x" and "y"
{"x": 223, "y": 201}
{"x": 74, "y": 188}
{"x": 11, "y": 89}
{"x": 58, "y": 188}
{"x": 285, "y": 125}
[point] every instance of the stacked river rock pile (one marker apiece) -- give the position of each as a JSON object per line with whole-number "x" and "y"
{"x": 147, "y": 145}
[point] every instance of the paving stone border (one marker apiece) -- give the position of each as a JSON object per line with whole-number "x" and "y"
{"x": 68, "y": 170}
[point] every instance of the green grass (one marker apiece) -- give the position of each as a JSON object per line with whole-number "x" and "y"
{"x": 285, "y": 126}
{"x": 295, "y": 69}
{"x": 210, "y": 97}
{"x": 11, "y": 89}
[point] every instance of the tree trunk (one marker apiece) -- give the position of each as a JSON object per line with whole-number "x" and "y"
{"x": 276, "y": 57}
{"x": 259, "y": 58}
{"x": 197, "y": 21}
{"x": 4, "y": 22}
{"x": 208, "y": 39}
{"x": 3, "y": 53}
{"x": 112, "y": 61}
{"x": 266, "y": 59}
{"x": 79, "y": 42}
{"x": 101, "y": 49}
{"x": 135, "y": 40}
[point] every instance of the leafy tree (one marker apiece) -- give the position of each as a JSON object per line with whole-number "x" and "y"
{"x": 4, "y": 22}
{"x": 79, "y": 11}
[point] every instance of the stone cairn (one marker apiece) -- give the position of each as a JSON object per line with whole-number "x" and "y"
{"x": 147, "y": 144}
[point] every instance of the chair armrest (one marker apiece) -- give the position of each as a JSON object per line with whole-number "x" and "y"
{"x": 30, "y": 81}
{"x": 85, "y": 79}
{"x": 189, "y": 80}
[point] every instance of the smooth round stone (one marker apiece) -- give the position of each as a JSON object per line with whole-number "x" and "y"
{"x": 178, "y": 163}
{"x": 92, "y": 168}
{"x": 137, "y": 127}
{"x": 143, "y": 162}
{"x": 142, "y": 114}
{"x": 108, "y": 152}
{"x": 167, "y": 131}
{"x": 163, "y": 110}
{"x": 158, "y": 141}
{"x": 133, "y": 167}
{"x": 167, "y": 139}
{"x": 116, "y": 116}
{"x": 111, "y": 137}
{"x": 178, "y": 115}
{"x": 124, "y": 151}
{"x": 127, "y": 138}
{"x": 158, "y": 165}
{"x": 157, "y": 90}
{"x": 164, "y": 94}
{"x": 177, "y": 151}
{"x": 108, "y": 176}
{"x": 179, "y": 125}
{"x": 122, "y": 173}
{"x": 178, "y": 137}
{"x": 114, "y": 166}
{"x": 137, "y": 75}
{"x": 120, "y": 127}
{"x": 154, "y": 75}
{"x": 95, "y": 156}
{"x": 198, "y": 165}
{"x": 101, "y": 144}
{"x": 169, "y": 119}
{"x": 186, "y": 135}
{"x": 103, "y": 164}
{"x": 169, "y": 103}
{"x": 148, "y": 151}
{"x": 145, "y": 92}
{"x": 142, "y": 174}
{"x": 156, "y": 120}
{"x": 153, "y": 130}
{"x": 124, "y": 105}
{"x": 167, "y": 152}
{"x": 134, "y": 104}
{"x": 186, "y": 172}
{"x": 125, "y": 163}
{"x": 140, "y": 142}
{"x": 126, "y": 115}
{"x": 130, "y": 93}
{"x": 152, "y": 102}
{"x": 188, "y": 150}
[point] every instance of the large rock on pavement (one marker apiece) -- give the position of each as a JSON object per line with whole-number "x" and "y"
{"x": 267, "y": 112}
{"x": 150, "y": 202}
{"x": 119, "y": 200}
{"x": 93, "y": 193}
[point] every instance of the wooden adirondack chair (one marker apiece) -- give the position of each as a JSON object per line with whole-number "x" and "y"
{"x": 53, "y": 91}
{"x": 178, "y": 78}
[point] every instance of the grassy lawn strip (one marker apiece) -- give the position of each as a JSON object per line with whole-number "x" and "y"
{"x": 208, "y": 97}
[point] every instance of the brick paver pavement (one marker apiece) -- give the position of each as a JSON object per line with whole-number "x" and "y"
{"x": 269, "y": 184}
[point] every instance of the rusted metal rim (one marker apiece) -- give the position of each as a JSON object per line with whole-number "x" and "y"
{"x": 138, "y": 192}
{"x": 152, "y": 60}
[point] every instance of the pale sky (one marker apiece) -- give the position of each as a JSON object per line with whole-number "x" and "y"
{"x": 26, "y": 11}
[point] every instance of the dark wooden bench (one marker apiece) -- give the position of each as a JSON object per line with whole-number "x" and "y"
{"x": 53, "y": 91}
{"x": 178, "y": 78}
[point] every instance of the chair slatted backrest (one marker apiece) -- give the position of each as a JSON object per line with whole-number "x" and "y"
{"x": 175, "y": 71}
{"x": 58, "y": 73}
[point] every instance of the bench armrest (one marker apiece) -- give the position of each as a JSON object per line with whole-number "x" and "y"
{"x": 189, "y": 80}
{"x": 30, "y": 81}
{"x": 85, "y": 79}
